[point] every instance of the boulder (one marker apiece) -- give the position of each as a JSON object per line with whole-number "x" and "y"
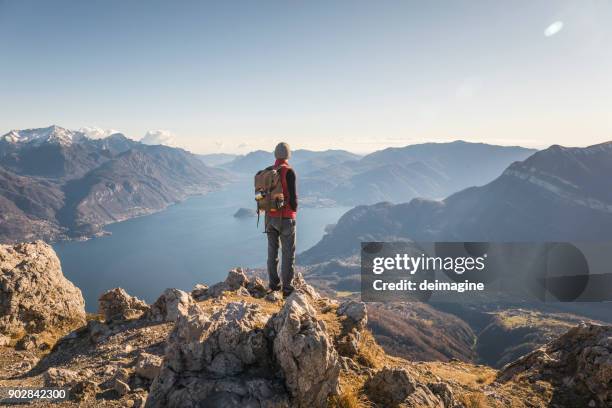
{"x": 355, "y": 311}
{"x": 394, "y": 387}
{"x": 390, "y": 386}
{"x": 60, "y": 377}
{"x": 169, "y": 306}
{"x": 148, "y": 365}
{"x": 257, "y": 288}
{"x": 305, "y": 353}
{"x": 117, "y": 305}
{"x": 120, "y": 387}
{"x": 199, "y": 291}
{"x": 578, "y": 364}
{"x": 236, "y": 279}
{"x": 85, "y": 390}
{"x": 35, "y": 297}
{"x": 216, "y": 290}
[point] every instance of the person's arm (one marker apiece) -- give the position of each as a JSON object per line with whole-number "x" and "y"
{"x": 291, "y": 186}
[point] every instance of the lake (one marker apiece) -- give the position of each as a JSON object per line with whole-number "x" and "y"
{"x": 196, "y": 241}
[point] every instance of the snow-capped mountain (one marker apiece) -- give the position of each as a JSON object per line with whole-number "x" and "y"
{"x": 58, "y": 183}
{"x": 51, "y": 134}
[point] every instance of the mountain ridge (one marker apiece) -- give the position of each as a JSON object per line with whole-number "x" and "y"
{"x": 233, "y": 344}
{"x": 568, "y": 200}
{"x": 57, "y": 183}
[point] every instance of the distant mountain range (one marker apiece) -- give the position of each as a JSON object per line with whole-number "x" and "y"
{"x": 217, "y": 159}
{"x": 338, "y": 177}
{"x": 57, "y": 183}
{"x": 430, "y": 170}
{"x": 556, "y": 194}
{"x": 303, "y": 161}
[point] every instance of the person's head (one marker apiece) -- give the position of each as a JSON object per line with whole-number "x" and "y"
{"x": 282, "y": 151}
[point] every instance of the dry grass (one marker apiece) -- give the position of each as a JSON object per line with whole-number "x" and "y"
{"x": 346, "y": 399}
{"x": 474, "y": 400}
{"x": 464, "y": 373}
{"x": 370, "y": 353}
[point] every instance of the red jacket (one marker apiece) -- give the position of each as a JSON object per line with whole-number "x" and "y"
{"x": 288, "y": 182}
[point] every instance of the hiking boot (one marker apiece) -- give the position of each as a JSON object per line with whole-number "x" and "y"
{"x": 287, "y": 293}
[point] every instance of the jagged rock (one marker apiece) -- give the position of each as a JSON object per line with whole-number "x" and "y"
{"x": 35, "y": 297}
{"x": 216, "y": 290}
{"x": 121, "y": 387}
{"x": 390, "y": 386}
{"x": 422, "y": 397}
{"x": 236, "y": 278}
{"x": 394, "y": 387}
{"x": 274, "y": 296}
{"x": 305, "y": 353}
{"x": 348, "y": 345}
{"x": 148, "y": 365}
{"x": 221, "y": 361}
{"x": 117, "y": 305}
{"x": 444, "y": 393}
{"x": 300, "y": 285}
{"x": 579, "y": 363}
{"x": 355, "y": 311}
{"x": 84, "y": 391}
{"x": 60, "y": 377}
{"x": 169, "y": 306}
{"x": 199, "y": 291}
{"x": 257, "y": 288}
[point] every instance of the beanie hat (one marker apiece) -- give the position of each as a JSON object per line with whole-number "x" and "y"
{"x": 282, "y": 151}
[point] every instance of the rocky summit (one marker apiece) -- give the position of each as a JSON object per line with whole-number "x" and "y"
{"x": 234, "y": 345}
{"x": 37, "y": 304}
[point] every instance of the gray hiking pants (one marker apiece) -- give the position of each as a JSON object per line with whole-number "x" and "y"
{"x": 281, "y": 231}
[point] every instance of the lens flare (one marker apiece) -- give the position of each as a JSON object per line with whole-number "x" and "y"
{"x": 553, "y": 29}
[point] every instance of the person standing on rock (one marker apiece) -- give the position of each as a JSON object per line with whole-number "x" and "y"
{"x": 281, "y": 225}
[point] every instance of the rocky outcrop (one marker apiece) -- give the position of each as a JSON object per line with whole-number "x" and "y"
{"x": 170, "y": 305}
{"x": 578, "y": 364}
{"x": 221, "y": 360}
{"x": 236, "y": 281}
{"x": 395, "y": 387}
{"x": 117, "y": 305}
{"x": 305, "y": 353}
{"x": 241, "y": 356}
{"x": 35, "y": 297}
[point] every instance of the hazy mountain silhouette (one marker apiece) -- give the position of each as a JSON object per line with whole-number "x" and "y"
{"x": 556, "y": 194}
{"x": 303, "y": 161}
{"x": 431, "y": 170}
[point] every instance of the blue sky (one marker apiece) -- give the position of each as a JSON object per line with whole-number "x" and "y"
{"x": 233, "y": 76}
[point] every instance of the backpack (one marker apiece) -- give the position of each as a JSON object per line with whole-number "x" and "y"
{"x": 268, "y": 190}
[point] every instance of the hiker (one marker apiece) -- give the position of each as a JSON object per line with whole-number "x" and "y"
{"x": 280, "y": 225}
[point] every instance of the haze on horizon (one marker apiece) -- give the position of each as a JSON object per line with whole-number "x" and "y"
{"x": 358, "y": 75}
